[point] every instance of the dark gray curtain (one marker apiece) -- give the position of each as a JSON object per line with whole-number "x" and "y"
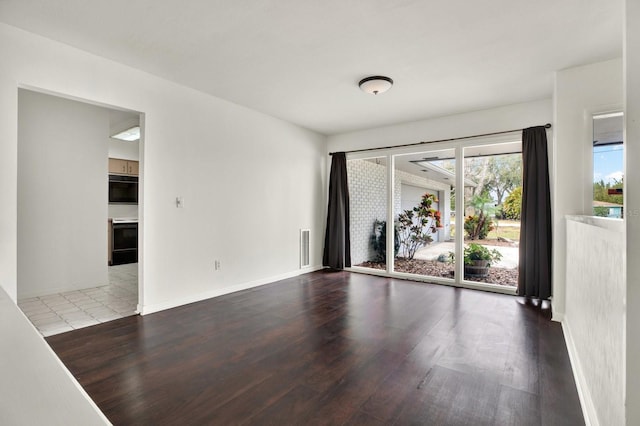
{"x": 337, "y": 250}
{"x": 534, "y": 279}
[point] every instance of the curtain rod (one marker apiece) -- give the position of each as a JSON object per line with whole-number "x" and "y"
{"x": 546, "y": 126}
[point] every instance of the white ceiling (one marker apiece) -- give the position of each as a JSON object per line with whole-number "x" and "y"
{"x": 301, "y": 60}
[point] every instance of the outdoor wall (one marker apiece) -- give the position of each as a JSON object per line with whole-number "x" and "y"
{"x": 595, "y": 285}
{"x": 249, "y": 181}
{"x": 441, "y": 190}
{"x": 368, "y": 203}
{"x": 62, "y": 195}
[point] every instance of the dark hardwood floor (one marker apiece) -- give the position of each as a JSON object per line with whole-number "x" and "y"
{"x": 331, "y": 348}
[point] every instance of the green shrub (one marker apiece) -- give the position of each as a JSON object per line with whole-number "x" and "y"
{"x": 477, "y": 227}
{"x": 512, "y": 205}
{"x": 601, "y": 211}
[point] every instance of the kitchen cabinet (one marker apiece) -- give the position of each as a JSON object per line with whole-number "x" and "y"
{"x": 118, "y": 166}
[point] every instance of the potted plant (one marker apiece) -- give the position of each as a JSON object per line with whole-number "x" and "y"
{"x": 477, "y": 260}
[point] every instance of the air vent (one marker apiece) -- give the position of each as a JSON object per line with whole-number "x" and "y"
{"x": 304, "y": 248}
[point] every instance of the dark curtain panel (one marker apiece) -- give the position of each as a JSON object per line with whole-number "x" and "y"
{"x": 337, "y": 250}
{"x": 534, "y": 279}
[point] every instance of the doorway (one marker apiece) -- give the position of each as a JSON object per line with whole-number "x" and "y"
{"x": 65, "y": 280}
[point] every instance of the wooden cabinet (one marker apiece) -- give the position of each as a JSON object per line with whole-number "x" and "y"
{"x": 133, "y": 168}
{"x": 118, "y": 166}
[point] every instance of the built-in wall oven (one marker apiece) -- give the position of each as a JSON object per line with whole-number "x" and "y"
{"x": 124, "y": 244}
{"x": 123, "y": 189}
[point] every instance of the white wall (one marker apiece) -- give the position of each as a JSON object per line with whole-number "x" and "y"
{"x": 508, "y": 117}
{"x": 124, "y": 149}
{"x": 62, "y": 195}
{"x": 594, "y": 320}
{"x": 589, "y": 283}
{"x": 632, "y": 209}
{"x": 579, "y": 93}
{"x": 36, "y": 388}
{"x": 193, "y": 145}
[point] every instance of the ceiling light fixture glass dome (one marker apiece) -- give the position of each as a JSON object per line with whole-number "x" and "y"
{"x": 375, "y": 84}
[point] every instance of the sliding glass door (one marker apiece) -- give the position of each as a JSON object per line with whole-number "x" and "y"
{"x": 491, "y": 219}
{"x": 450, "y": 214}
{"x": 422, "y": 209}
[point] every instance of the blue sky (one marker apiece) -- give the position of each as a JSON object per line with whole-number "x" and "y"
{"x": 607, "y": 163}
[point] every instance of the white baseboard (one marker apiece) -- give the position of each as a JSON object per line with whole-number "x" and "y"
{"x": 586, "y": 402}
{"x": 555, "y": 315}
{"x": 149, "y": 309}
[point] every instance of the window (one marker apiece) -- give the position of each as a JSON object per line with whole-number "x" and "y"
{"x": 608, "y": 165}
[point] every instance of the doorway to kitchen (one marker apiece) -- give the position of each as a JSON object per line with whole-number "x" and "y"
{"x": 67, "y": 277}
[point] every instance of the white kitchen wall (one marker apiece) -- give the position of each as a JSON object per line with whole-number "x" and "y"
{"x": 249, "y": 181}
{"x": 127, "y": 150}
{"x": 123, "y": 211}
{"x": 62, "y": 193}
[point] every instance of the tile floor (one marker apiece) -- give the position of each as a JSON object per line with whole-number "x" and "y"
{"x": 57, "y": 313}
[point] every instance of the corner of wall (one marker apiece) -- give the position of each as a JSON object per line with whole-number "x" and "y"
{"x": 586, "y": 402}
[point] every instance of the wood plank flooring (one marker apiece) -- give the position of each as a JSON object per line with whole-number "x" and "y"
{"x": 331, "y": 348}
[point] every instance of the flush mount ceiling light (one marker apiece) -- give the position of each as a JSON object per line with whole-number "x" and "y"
{"x": 130, "y": 135}
{"x": 375, "y": 84}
